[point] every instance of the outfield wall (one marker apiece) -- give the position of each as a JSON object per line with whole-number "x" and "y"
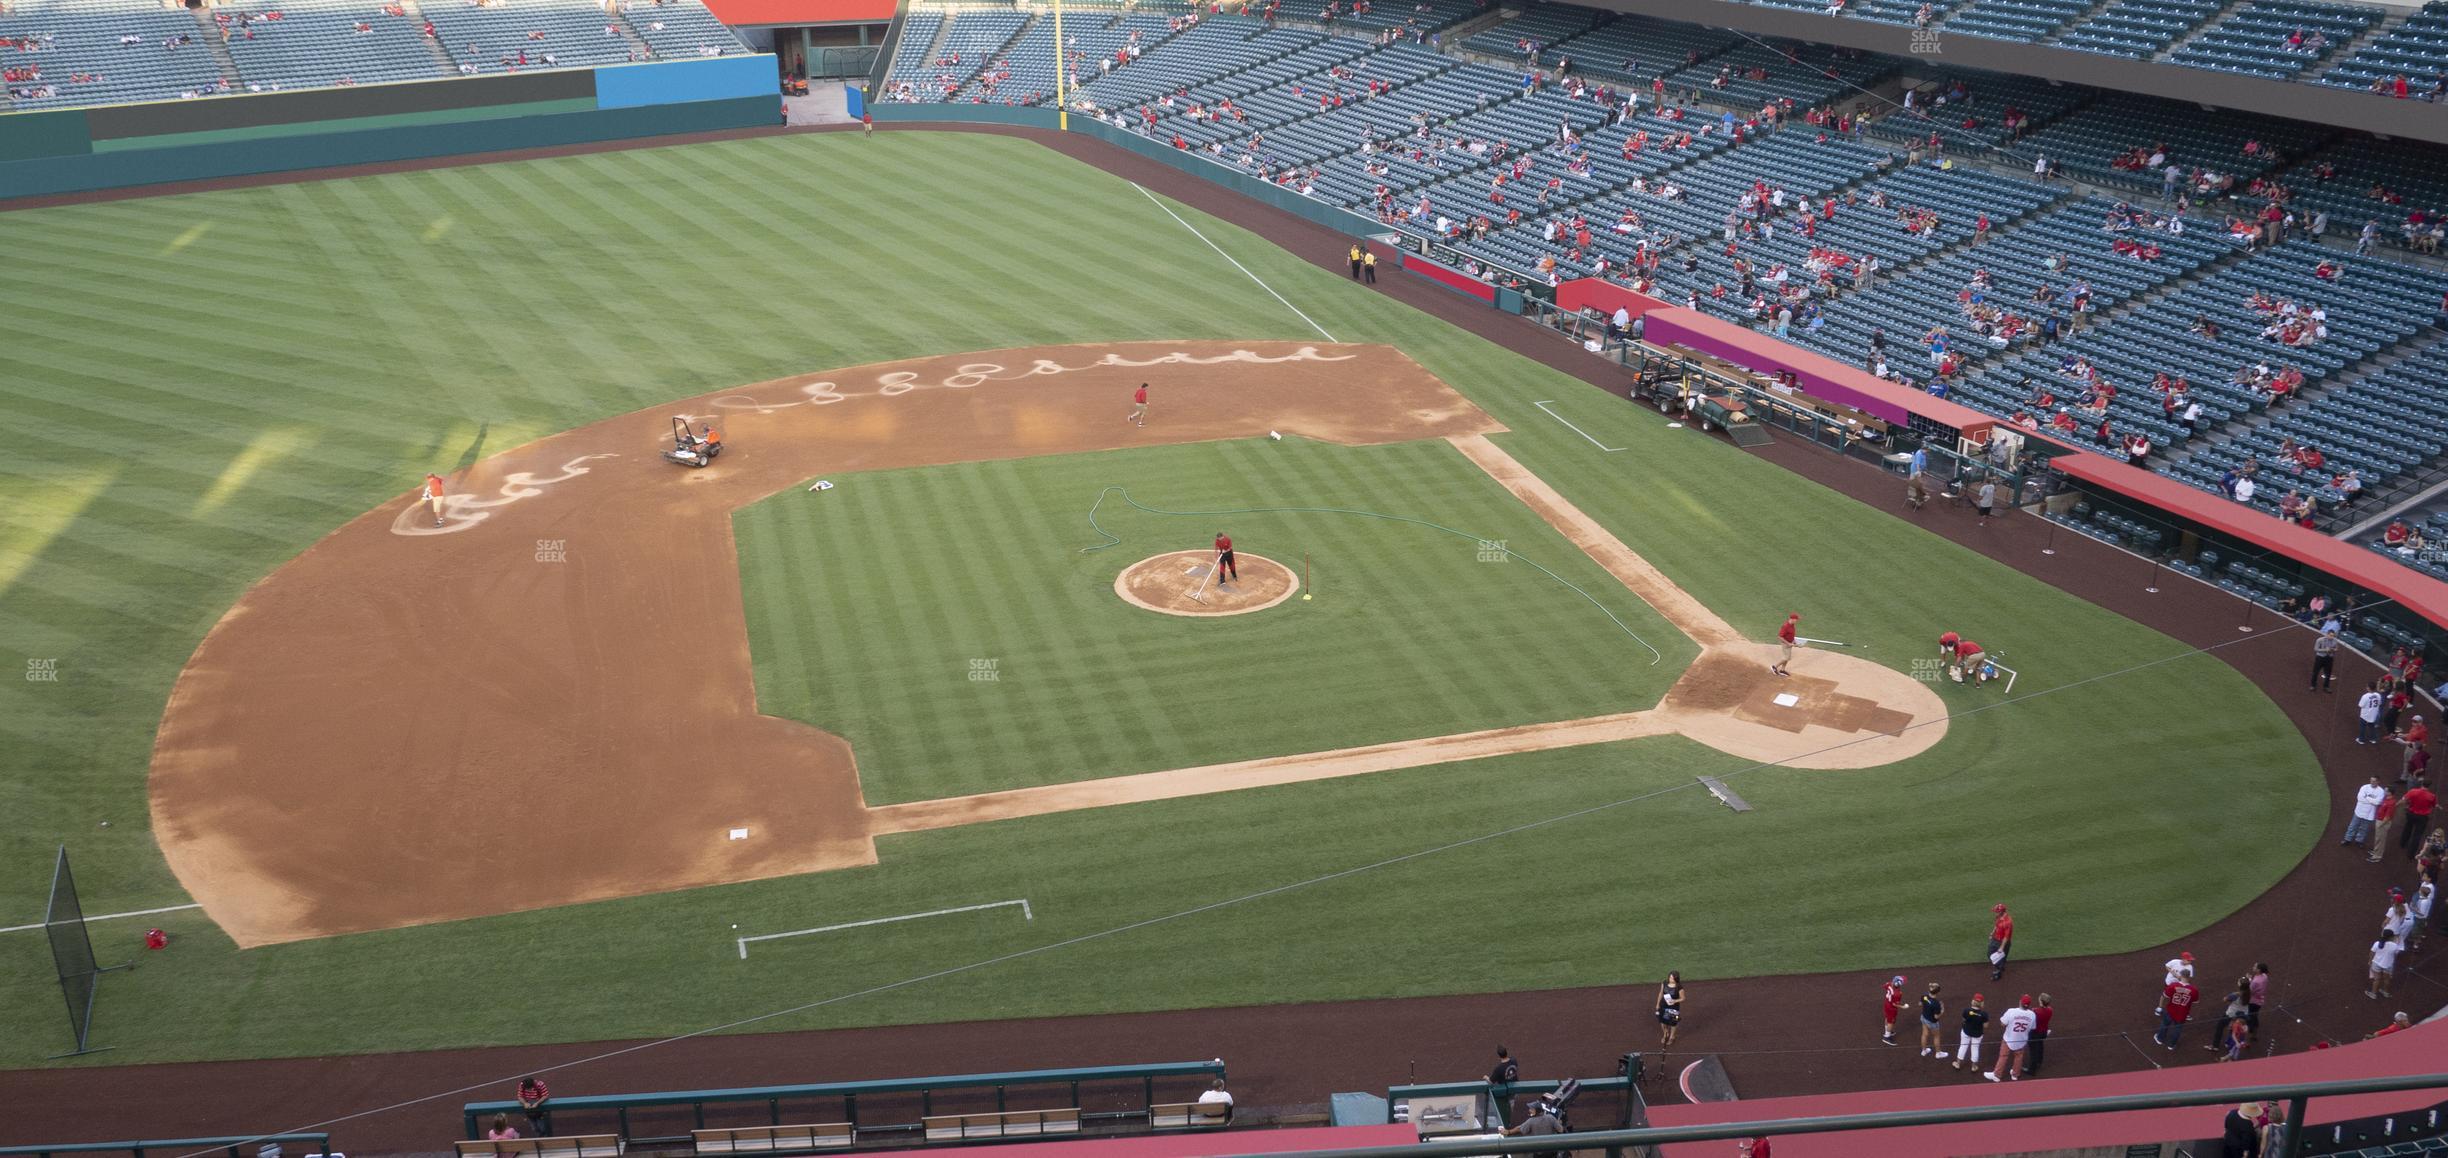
{"x": 118, "y": 146}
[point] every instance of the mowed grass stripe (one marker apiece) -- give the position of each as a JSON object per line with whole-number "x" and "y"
{"x": 1414, "y": 641}
{"x": 897, "y": 247}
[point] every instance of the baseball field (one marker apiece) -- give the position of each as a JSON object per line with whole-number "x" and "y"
{"x": 559, "y": 768}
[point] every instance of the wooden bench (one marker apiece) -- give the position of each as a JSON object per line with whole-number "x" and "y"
{"x": 572, "y": 1146}
{"x": 773, "y": 1139}
{"x": 1008, "y": 1124}
{"x": 1189, "y": 1115}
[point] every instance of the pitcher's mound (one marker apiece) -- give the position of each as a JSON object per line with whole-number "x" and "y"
{"x": 1166, "y": 583}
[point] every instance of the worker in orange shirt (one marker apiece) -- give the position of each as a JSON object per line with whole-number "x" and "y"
{"x": 431, "y": 493}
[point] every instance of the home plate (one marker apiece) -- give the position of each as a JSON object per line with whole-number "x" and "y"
{"x": 1787, "y": 699}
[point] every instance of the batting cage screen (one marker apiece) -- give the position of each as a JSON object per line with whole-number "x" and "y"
{"x": 71, "y": 950}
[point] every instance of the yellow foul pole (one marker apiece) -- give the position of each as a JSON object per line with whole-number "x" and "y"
{"x": 1062, "y": 72}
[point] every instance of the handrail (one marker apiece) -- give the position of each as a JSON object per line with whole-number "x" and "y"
{"x": 2295, "y": 1093}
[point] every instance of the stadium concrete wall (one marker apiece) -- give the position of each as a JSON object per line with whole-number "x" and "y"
{"x": 120, "y": 146}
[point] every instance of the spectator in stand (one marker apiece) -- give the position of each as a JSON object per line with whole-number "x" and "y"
{"x": 2367, "y": 714}
{"x": 2240, "y": 1134}
{"x": 501, "y": 1130}
{"x": 2366, "y": 808}
{"x": 2417, "y": 804}
{"x": 1758, "y": 1147}
{"x": 2175, "y": 1008}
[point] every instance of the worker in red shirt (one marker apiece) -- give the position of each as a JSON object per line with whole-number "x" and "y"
{"x": 1966, "y": 662}
{"x": 1138, "y": 412}
{"x": 431, "y": 495}
{"x": 2001, "y": 941}
{"x": 1889, "y": 999}
{"x": 1226, "y": 571}
{"x": 2044, "y": 1009}
{"x": 2418, "y": 802}
{"x": 1785, "y": 644}
{"x": 1752, "y": 1147}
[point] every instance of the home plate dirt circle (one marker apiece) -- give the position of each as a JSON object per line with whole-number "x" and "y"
{"x": 1167, "y": 583}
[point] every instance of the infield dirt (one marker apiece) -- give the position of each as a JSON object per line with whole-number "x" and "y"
{"x": 551, "y": 683}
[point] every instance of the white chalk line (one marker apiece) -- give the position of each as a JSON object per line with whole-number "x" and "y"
{"x": 1026, "y": 914}
{"x": 1577, "y": 430}
{"x": 1235, "y": 264}
{"x": 108, "y": 917}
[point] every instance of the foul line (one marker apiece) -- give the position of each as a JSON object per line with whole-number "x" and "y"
{"x": 1577, "y": 430}
{"x": 1235, "y": 264}
{"x": 1026, "y": 914}
{"x": 107, "y": 917}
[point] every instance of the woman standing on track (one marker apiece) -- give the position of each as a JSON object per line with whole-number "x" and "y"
{"x": 1933, "y": 1007}
{"x": 1669, "y": 1007}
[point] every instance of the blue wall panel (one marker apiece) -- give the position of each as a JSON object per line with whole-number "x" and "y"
{"x": 199, "y": 162}
{"x": 675, "y": 82}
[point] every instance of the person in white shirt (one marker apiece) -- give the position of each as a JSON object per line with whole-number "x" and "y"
{"x": 2424, "y": 894}
{"x": 1216, "y": 1095}
{"x": 2367, "y": 712}
{"x": 2366, "y": 810}
{"x": 2014, "y": 1037}
{"x": 2179, "y": 968}
{"x": 2398, "y": 921}
{"x": 2383, "y": 967}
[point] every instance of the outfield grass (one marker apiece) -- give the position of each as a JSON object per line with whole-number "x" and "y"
{"x": 220, "y": 379}
{"x": 865, "y": 614}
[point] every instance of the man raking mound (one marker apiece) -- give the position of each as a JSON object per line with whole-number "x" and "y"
{"x": 1223, "y": 570}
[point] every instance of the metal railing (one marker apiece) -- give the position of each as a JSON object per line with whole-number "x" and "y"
{"x": 235, "y": 1146}
{"x": 2290, "y": 1142}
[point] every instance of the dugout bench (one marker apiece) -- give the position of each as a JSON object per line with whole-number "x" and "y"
{"x": 548, "y": 1146}
{"x": 838, "y": 1105}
